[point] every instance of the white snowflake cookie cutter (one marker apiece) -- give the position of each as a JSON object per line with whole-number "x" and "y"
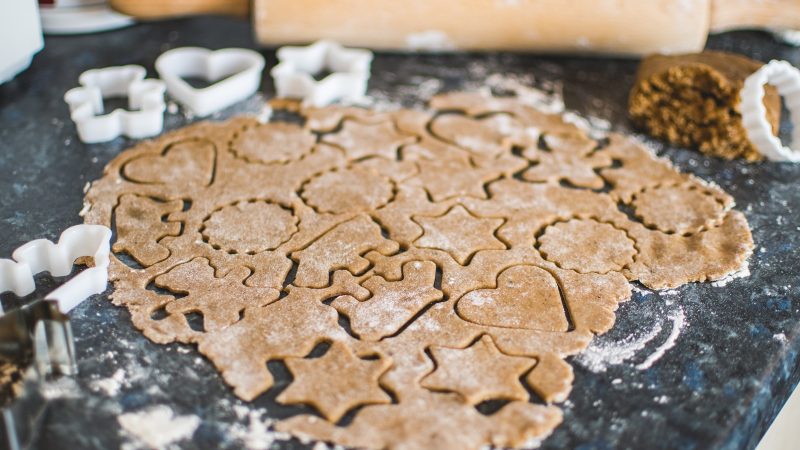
{"x": 350, "y": 72}
{"x": 145, "y": 100}
{"x": 41, "y": 255}
{"x": 234, "y": 72}
{"x": 786, "y": 79}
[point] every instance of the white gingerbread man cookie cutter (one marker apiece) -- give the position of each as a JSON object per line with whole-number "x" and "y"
{"x": 145, "y": 100}
{"x": 786, "y": 79}
{"x": 350, "y": 72}
{"x": 41, "y": 255}
{"x": 235, "y": 73}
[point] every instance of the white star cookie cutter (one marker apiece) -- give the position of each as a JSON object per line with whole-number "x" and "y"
{"x": 350, "y": 71}
{"x": 236, "y": 73}
{"x": 145, "y": 100}
{"x": 786, "y": 79}
{"x": 41, "y": 255}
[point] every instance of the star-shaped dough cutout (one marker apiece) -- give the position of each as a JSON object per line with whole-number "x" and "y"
{"x": 360, "y": 140}
{"x": 336, "y": 382}
{"x": 570, "y": 158}
{"x": 478, "y": 373}
{"x": 459, "y": 233}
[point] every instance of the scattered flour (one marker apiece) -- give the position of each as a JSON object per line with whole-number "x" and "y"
{"x": 86, "y": 208}
{"x": 663, "y": 399}
{"x": 419, "y": 90}
{"x": 678, "y": 319}
{"x": 265, "y": 114}
{"x": 744, "y": 272}
{"x": 111, "y": 385}
{"x": 641, "y": 290}
{"x": 64, "y": 387}
{"x": 550, "y": 99}
{"x": 257, "y": 434}
{"x": 600, "y": 355}
{"x": 157, "y": 427}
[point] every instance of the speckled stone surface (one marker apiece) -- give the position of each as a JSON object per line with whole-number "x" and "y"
{"x": 735, "y": 354}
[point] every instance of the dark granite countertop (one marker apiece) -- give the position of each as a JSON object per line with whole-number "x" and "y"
{"x": 735, "y": 355}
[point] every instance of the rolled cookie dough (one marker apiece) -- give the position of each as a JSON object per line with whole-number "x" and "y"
{"x": 419, "y": 275}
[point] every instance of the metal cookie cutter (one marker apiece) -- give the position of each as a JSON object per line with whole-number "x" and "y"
{"x": 39, "y": 334}
{"x": 235, "y": 71}
{"x": 145, "y": 100}
{"x": 350, "y": 72}
{"x": 786, "y": 78}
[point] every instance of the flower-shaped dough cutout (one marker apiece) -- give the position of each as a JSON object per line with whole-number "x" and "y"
{"x": 249, "y": 227}
{"x": 424, "y": 247}
{"x": 350, "y": 190}
{"x": 274, "y": 142}
{"x": 479, "y": 372}
{"x": 587, "y": 246}
{"x": 459, "y": 233}
{"x": 700, "y": 208}
{"x": 348, "y": 381}
{"x": 568, "y": 157}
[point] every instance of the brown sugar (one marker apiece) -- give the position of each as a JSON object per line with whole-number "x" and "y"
{"x": 693, "y": 101}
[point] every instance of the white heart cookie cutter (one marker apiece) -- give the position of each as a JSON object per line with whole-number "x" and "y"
{"x": 145, "y": 100}
{"x": 42, "y": 255}
{"x": 786, "y": 79}
{"x": 350, "y": 72}
{"x": 236, "y": 73}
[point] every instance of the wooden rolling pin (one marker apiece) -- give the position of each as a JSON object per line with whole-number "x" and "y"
{"x": 620, "y": 27}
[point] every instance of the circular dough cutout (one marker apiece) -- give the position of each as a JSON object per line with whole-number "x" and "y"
{"x": 249, "y": 227}
{"x": 677, "y": 209}
{"x": 587, "y": 246}
{"x": 273, "y": 143}
{"x": 348, "y": 191}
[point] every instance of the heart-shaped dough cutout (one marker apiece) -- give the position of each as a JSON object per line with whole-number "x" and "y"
{"x": 234, "y": 72}
{"x": 188, "y": 163}
{"x": 525, "y": 297}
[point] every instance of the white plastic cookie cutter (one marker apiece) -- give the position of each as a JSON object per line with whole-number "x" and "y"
{"x": 145, "y": 100}
{"x": 786, "y": 79}
{"x": 236, "y": 73}
{"x": 42, "y": 255}
{"x": 350, "y": 72}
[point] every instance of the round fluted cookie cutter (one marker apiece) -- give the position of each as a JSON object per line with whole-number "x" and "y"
{"x": 235, "y": 73}
{"x": 786, "y": 79}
